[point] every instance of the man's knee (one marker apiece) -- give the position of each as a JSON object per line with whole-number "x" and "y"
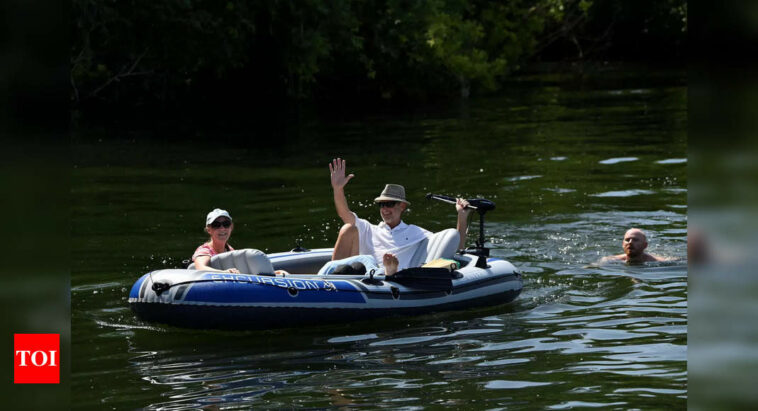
{"x": 347, "y": 242}
{"x": 348, "y": 230}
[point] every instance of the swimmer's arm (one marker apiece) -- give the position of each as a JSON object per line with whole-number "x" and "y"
{"x": 619, "y": 257}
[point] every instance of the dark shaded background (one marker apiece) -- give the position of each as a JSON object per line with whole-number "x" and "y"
{"x": 34, "y": 187}
{"x": 35, "y": 119}
{"x": 257, "y": 64}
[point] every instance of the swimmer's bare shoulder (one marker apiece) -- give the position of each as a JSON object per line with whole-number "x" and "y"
{"x": 612, "y": 258}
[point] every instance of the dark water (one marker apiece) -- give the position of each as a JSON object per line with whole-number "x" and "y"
{"x": 571, "y": 165}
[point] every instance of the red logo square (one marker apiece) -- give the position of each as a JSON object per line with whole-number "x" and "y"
{"x": 36, "y": 358}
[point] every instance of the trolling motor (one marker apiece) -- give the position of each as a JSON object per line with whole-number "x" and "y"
{"x": 481, "y": 205}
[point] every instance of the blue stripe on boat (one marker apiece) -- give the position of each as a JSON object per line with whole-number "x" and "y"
{"x": 272, "y": 290}
{"x": 134, "y": 292}
{"x": 272, "y": 257}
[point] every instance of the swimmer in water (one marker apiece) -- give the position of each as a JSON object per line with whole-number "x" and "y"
{"x": 634, "y": 244}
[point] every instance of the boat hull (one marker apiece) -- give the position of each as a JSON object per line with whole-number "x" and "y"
{"x": 196, "y": 299}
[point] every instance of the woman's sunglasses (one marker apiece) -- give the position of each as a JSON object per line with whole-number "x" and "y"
{"x": 218, "y": 224}
{"x": 387, "y": 204}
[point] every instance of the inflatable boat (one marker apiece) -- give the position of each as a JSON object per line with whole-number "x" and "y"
{"x": 281, "y": 289}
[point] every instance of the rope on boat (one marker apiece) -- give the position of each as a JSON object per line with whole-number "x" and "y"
{"x": 160, "y": 287}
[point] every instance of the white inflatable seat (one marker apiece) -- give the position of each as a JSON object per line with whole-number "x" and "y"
{"x": 247, "y": 261}
{"x": 442, "y": 244}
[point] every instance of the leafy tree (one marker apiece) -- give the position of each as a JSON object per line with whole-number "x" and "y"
{"x": 164, "y": 52}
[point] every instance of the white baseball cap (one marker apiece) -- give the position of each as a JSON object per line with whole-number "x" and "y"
{"x": 216, "y": 213}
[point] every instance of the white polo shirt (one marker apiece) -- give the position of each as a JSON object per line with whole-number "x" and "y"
{"x": 379, "y": 239}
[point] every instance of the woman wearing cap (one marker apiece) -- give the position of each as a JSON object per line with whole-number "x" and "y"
{"x": 218, "y": 224}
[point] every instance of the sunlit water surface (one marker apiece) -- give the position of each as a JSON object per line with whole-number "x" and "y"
{"x": 570, "y": 168}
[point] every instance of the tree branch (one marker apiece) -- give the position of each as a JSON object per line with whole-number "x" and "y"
{"x": 124, "y": 73}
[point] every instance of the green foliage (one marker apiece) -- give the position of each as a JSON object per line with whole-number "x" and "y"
{"x": 584, "y": 6}
{"x": 455, "y": 43}
{"x": 158, "y": 45}
{"x": 164, "y": 51}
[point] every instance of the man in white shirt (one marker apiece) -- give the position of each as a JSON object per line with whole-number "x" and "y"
{"x": 392, "y": 242}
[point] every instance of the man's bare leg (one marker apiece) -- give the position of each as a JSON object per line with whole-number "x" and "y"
{"x": 347, "y": 243}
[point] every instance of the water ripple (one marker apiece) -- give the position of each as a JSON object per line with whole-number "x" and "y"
{"x": 584, "y": 404}
{"x": 623, "y": 193}
{"x": 581, "y": 335}
{"x": 617, "y": 160}
{"x": 511, "y": 385}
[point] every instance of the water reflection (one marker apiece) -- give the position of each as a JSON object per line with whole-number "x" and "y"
{"x": 623, "y": 193}
{"x": 618, "y": 160}
{"x": 596, "y": 323}
{"x": 625, "y": 322}
{"x": 580, "y": 335}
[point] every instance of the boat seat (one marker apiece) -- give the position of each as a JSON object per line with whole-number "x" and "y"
{"x": 442, "y": 244}
{"x": 247, "y": 261}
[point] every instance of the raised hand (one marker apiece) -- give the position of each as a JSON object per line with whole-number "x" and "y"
{"x": 337, "y": 171}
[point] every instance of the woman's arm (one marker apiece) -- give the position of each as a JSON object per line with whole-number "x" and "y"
{"x": 202, "y": 261}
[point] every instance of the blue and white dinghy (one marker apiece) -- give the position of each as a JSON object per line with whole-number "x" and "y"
{"x": 281, "y": 289}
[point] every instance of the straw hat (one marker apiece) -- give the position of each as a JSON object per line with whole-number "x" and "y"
{"x": 392, "y": 192}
